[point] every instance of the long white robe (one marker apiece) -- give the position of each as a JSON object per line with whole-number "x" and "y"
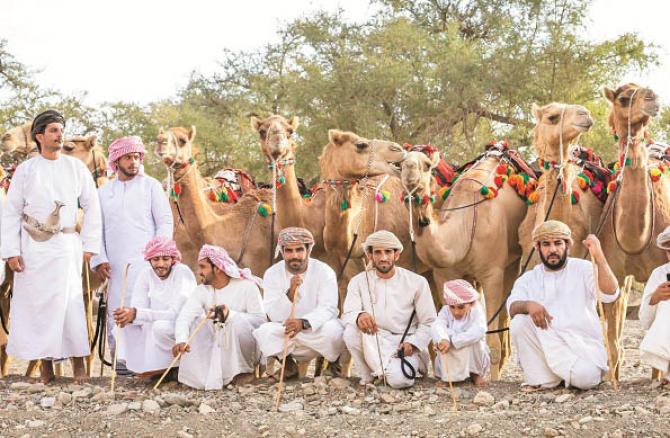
{"x": 317, "y": 303}
{"x": 655, "y": 346}
{"x": 47, "y": 308}
{"x": 148, "y": 341}
{"x": 133, "y": 212}
{"x": 572, "y": 348}
{"x": 393, "y": 300}
{"x": 219, "y": 352}
{"x": 468, "y": 353}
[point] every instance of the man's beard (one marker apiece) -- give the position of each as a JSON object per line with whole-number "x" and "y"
{"x": 166, "y": 275}
{"x": 295, "y": 266}
{"x": 127, "y": 173}
{"x": 206, "y": 280}
{"x": 554, "y": 266}
{"x": 384, "y": 269}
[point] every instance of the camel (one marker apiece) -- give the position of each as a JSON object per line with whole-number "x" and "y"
{"x": 473, "y": 236}
{"x": 638, "y": 205}
{"x": 557, "y": 126}
{"x": 91, "y": 153}
{"x": 292, "y": 210}
{"x": 18, "y": 140}
{"x": 243, "y": 229}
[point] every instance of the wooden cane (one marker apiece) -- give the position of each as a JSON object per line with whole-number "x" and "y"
{"x": 117, "y": 328}
{"x": 451, "y": 385}
{"x": 200, "y": 325}
{"x": 280, "y": 385}
{"x": 603, "y": 324}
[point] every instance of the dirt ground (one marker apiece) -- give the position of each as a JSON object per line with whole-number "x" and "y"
{"x": 336, "y": 407}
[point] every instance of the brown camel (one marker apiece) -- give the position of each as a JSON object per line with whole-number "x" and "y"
{"x": 279, "y": 148}
{"x": 91, "y": 153}
{"x": 239, "y": 228}
{"x": 18, "y": 140}
{"x": 557, "y": 126}
{"x": 471, "y": 237}
{"x": 638, "y": 208}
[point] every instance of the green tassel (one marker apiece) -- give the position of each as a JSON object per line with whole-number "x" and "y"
{"x": 616, "y": 137}
{"x": 345, "y": 205}
{"x": 573, "y": 199}
{"x": 546, "y": 165}
{"x": 627, "y": 162}
{"x": 282, "y": 180}
{"x": 484, "y": 190}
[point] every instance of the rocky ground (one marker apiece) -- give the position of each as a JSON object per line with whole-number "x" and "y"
{"x": 337, "y": 407}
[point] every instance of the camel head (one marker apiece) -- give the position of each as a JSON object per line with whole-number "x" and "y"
{"x": 175, "y": 145}
{"x": 86, "y": 149}
{"x": 276, "y": 134}
{"x": 556, "y": 122}
{"x": 416, "y": 172}
{"x": 18, "y": 139}
{"x": 631, "y": 101}
{"x": 348, "y": 155}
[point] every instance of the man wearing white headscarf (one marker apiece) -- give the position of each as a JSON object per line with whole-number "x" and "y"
{"x": 459, "y": 334}
{"x": 655, "y": 314}
{"x": 313, "y": 329}
{"x": 555, "y": 328}
{"x": 388, "y": 312}
{"x": 134, "y": 210}
{"x": 224, "y": 350}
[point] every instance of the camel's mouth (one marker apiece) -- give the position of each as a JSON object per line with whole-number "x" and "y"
{"x": 583, "y": 126}
{"x": 396, "y": 166}
{"x": 650, "y": 110}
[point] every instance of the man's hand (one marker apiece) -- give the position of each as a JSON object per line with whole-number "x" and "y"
{"x": 87, "y": 257}
{"x": 104, "y": 271}
{"x": 407, "y": 348}
{"x": 181, "y": 347}
{"x": 124, "y": 316}
{"x": 16, "y": 264}
{"x": 443, "y": 346}
{"x": 541, "y": 318}
{"x": 593, "y": 245}
{"x": 292, "y": 326}
{"x": 366, "y": 323}
{"x": 296, "y": 281}
{"x": 662, "y": 293}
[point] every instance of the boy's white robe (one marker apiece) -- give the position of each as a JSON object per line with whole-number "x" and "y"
{"x": 655, "y": 346}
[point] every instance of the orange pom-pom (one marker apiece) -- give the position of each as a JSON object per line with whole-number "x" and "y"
{"x": 534, "y": 197}
{"x": 611, "y": 187}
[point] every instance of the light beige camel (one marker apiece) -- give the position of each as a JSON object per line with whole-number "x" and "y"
{"x": 91, "y": 153}
{"x": 240, "y": 229}
{"x": 639, "y": 209}
{"x": 18, "y": 140}
{"x": 279, "y": 148}
{"x": 558, "y": 126}
{"x": 471, "y": 237}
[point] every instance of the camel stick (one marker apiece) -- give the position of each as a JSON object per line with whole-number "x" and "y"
{"x": 117, "y": 329}
{"x": 200, "y": 325}
{"x": 451, "y": 385}
{"x": 280, "y": 384}
{"x": 379, "y": 348}
{"x": 603, "y": 323}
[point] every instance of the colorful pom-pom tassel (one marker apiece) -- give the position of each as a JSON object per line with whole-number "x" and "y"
{"x": 264, "y": 209}
{"x": 444, "y": 192}
{"x": 501, "y": 169}
{"x": 484, "y": 190}
{"x": 212, "y": 196}
{"x": 499, "y": 180}
{"x": 382, "y": 196}
{"x": 534, "y": 197}
{"x": 574, "y": 198}
{"x": 611, "y": 187}
{"x": 492, "y": 193}
{"x": 655, "y": 174}
{"x": 345, "y": 205}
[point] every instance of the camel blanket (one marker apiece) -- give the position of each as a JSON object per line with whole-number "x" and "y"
{"x": 47, "y": 308}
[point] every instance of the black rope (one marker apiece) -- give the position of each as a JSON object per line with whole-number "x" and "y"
{"x": 101, "y": 331}
{"x": 414, "y": 261}
{"x": 405, "y": 366}
{"x": 95, "y": 169}
{"x": 272, "y": 237}
{"x": 525, "y": 266}
{"x": 346, "y": 260}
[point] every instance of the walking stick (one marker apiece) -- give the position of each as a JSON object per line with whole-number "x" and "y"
{"x": 451, "y": 385}
{"x": 379, "y": 348}
{"x": 117, "y": 329}
{"x": 603, "y": 324}
{"x": 280, "y": 385}
{"x": 200, "y": 325}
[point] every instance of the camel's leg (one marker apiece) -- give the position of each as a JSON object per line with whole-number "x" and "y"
{"x": 493, "y": 293}
{"x": 4, "y": 361}
{"x": 33, "y": 365}
{"x": 302, "y": 368}
{"x": 511, "y": 274}
{"x": 615, "y": 315}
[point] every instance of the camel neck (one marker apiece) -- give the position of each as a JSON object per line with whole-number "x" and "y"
{"x": 290, "y": 204}
{"x": 191, "y": 201}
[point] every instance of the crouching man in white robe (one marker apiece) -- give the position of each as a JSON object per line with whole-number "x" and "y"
{"x": 313, "y": 328}
{"x": 159, "y": 293}
{"x": 655, "y": 315}
{"x": 555, "y": 327}
{"x": 459, "y": 332}
{"x": 388, "y": 313}
{"x": 225, "y": 349}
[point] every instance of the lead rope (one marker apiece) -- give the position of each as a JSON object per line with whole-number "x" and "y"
{"x": 274, "y": 209}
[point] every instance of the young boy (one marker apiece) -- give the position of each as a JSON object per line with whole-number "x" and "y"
{"x": 459, "y": 334}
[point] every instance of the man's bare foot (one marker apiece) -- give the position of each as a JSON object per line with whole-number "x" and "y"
{"x": 79, "y": 370}
{"x": 244, "y": 379}
{"x": 46, "y": 371}
{"x": 478, "y": 380}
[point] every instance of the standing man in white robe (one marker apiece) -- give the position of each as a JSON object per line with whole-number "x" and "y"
{"x": 314, "y": 328}
{"x": 224, "y": 350}
{"x": 134, "y": 210}
{"x": 388, "y": 313}
{"x": 459, "y": 334}
{"x": 655, "y": 315}
{"x": 159, "y": 293}
{"x": 555, "y": 327}
{"x": 45, "y": 252}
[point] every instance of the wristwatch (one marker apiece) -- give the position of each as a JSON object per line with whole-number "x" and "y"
{"x": 306, "y": 325}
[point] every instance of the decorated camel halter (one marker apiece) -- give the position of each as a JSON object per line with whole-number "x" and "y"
{"x": 280, "y": 165}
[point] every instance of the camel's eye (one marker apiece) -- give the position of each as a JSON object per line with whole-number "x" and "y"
{"x": 262, "y": 133}
{"x": 553, "y": 118}
{"x": 361, "y": 146}
{"x": 182, "y": 141}
{"x": 623, "y": 100}
{"x": 426, "y": 166}
{"x": 289, "y": 131}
